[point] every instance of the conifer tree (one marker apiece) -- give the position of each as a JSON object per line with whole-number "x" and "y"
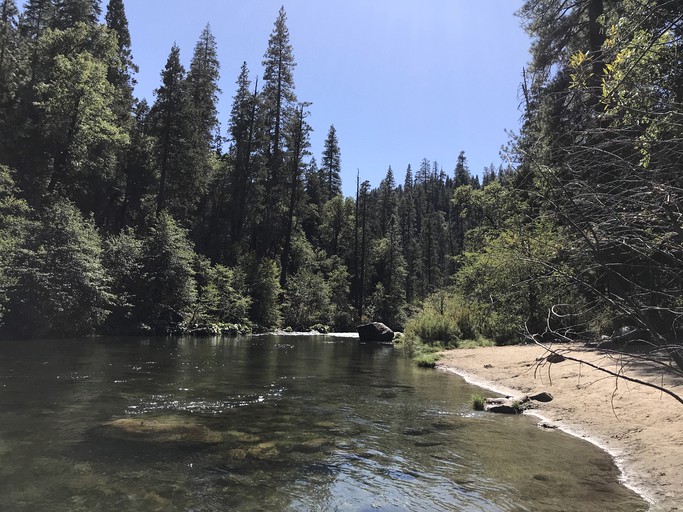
{"x": 9, "y": 69}
{"x": 331, "y": 164}
{"x": 408, "y": 233}
{"x": 9, "y": 15}
{"x": 243, "y": 134}
{"x": 203, "y": 91}
{"x": 298, "y": 131}
{"x": 462, "y": 171}
{"x": 279, "y": 100}
{"x": 168, "y": 125}
{"x": 36, "y": 17}
{"x": 201, "y": 119}
{"x": 387, "y": 201}
{"x": 121, "y": 75}
{"x": 139, "y": 168}
{"x": 70, "y": 12}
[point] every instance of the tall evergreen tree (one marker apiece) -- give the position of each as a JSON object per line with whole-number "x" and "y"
{"x": 121, "y": 75}
{"x": 9, "y": 17}
{"x": 36, "y": 17}
{"x": 9, "y": 68}
{"x": 331, "y": 164}
{"x": 462, "y": 171}
{"x": 203, "y": 91}
{"x": 70, "y": 12}
{"x": 169, "y": 126}
{"x": 387, "y": 201}
{"x": 298, "y": 132}
{"x": 279, "y": 104}
{"x": 243, "y": 135}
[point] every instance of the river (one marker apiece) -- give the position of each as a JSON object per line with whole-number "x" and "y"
{"x": 276, "y": 423}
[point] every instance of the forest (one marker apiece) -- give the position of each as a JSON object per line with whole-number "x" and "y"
{"x": 119, "y": 216}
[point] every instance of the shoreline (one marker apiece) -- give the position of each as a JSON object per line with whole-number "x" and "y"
{"x": 645, "y": 439}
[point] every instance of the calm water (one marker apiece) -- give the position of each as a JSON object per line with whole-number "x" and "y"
{"x": 271, "y": 423}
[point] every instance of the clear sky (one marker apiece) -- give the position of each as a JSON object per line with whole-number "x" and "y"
{"x": 401, "y": 80}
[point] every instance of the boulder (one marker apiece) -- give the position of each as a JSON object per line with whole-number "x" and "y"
{"x": 375, "y": 332}
{"x": 627, "y": 334}
{"x": 543, "y": 396}
{"x": 556, "y": 358}
{"x": 507, "y": 405}
{"x": 176, "y": 430}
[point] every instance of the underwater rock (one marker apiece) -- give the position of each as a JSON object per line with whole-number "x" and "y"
{"x": 161, "y": 430}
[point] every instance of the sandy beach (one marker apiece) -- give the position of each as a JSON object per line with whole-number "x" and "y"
{"x": 641, "y": 427}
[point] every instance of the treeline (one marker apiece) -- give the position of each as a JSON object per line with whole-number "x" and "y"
{"x": 121, "y": 216}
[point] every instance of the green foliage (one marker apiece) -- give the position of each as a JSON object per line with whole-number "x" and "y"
{"x": 15, "y": 225}
{"x": 478, "y": 402}
{"x": 59, "y": 286}
{"x": 445, "y": 318}
{"x": 221, "y": 297}
{"x": 308, "y": 300}
{"x": 263, "y": 285}
{"x": 79, "y": 127}
{"x": 122, "y": 257}
{"x": 167, "y": 274}
{"x": 426, "y": 360}
{"x": 423, "y": 354}
{"x": 510, "y": 284}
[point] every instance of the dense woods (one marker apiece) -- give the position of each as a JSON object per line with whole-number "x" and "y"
{"x": 128, "y": 217}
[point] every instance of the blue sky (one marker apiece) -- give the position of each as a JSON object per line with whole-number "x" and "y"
{"x": 401, "y": 80}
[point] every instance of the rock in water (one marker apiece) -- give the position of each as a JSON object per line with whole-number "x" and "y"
{"x": 375, "y": 332}
{"x": 176, "y": 430}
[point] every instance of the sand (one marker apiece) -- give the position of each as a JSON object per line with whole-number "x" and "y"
{"x": 641, "y": 427}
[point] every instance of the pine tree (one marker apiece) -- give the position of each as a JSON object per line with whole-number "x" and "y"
{"x": 139, "y": 168}
{"x": 70, "y": 12}
{"x": 297, "y": 136}
{"x": 408, "y": 233}
{"x": 168, "y": 125}
{"x": 387, "y": 201}
{"x": 37, "y": 16}
{"x": 9, "y": 70}
{"x": 121, "y": 75}
{"x": 9, "y": 15}
{"x": 279, "y": 100}
{"x": 331, "y": 164}
{"x": 242, "y": 129}
{"x": 462, "y": 171}
{"x": 203, "y": 91}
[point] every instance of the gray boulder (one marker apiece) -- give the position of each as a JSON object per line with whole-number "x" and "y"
{"x": 375, "y": 332}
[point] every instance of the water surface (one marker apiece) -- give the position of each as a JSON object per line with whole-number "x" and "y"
{"x": 272, "y": 423}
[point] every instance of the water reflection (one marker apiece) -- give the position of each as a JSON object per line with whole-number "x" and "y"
{"x": 270, "y": 423}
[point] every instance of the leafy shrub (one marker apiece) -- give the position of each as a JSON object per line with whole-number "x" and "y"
{"x": 444, "y": 318}
{"x": 478, "y": 402}
{"x": 59, "y": 285}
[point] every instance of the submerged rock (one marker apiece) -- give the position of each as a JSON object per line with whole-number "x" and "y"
{"x": 375, "y": 332}
{"x": 161, "y": 430}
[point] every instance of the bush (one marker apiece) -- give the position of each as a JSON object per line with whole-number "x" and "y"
{"x": 59, "y": 285}
{"x": 445, "y": 319}
{"x": 478, "y": 402}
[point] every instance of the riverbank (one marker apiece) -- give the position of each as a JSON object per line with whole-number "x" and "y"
{"x": 641, "y": 427}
